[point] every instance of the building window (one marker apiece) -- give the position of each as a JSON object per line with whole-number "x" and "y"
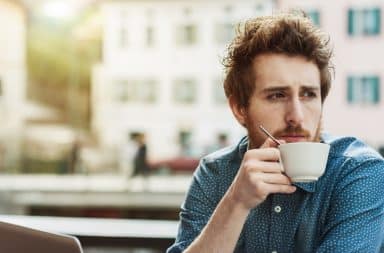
{"x": 218, "y": 92}
{"x": 185, "y": 143}
{"x": 150, "y": 39}
{"x": 141, "y": 91}
{"x": 187, "y": 11}
{"x": 314, "y": 15}
{"x": 121, "y": 92}
{"x": 146, "y": 91}
{"x": 364, "y": 21}
{"x": 123, "y": 31}
{"x": 184, "y": 91}
{"x": 186, "y": 34}
{"x": 363, "y": 90}
{"x": 224, "y": 33}
{"x": 123, "y": 37}
{"x": 228, "y": 9}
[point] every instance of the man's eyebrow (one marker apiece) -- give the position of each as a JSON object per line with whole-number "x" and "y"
{"x": 275, "y": 88}
{"x": 313, "y": 88}
{"x": 283, "y": 88}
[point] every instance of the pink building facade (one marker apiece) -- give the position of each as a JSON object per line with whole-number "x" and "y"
{"x": 355, "y": 105}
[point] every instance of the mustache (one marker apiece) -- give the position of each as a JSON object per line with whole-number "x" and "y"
{"x": 290, "y": 130}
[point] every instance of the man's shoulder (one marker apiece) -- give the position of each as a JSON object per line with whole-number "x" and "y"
{"x": 352, "y": 160}
{"x": 348, "y": 147}
{"x": 227, "y": 154}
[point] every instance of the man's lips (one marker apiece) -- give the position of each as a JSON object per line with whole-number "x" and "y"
{"x": 293, "y": 138}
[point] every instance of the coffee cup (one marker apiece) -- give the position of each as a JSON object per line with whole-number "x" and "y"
{"x": 304, "y": 161}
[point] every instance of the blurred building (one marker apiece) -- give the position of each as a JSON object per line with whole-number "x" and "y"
{"x": 355, "y": 105}
{"x": 161, "y": 73}
{"x": 12, "y": 80}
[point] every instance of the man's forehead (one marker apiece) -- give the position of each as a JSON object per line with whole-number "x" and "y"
{"x": 286, "y": 81}
{"x": 281, "y": 70}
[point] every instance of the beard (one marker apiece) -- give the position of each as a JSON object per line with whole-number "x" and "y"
{"x": 257, "y": 138}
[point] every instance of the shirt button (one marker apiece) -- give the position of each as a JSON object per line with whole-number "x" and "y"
{"x": 277, "y": 210}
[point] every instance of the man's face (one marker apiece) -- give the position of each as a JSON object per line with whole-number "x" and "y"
{"x": 286, "y": 100}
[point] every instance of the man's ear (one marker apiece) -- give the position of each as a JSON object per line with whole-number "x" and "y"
{"x": 238, "y": 111}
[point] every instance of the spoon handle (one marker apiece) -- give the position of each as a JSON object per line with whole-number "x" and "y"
{"x": 269, "y": 135}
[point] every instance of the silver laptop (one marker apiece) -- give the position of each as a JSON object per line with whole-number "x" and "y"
{"x": 19, "y": 239}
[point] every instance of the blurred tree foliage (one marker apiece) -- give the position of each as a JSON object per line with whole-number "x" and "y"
{"x": 60, "y": 56}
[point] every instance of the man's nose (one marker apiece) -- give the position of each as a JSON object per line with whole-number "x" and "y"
{"x": 294, "y": 113}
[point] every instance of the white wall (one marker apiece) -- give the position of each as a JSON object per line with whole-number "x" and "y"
{"x": 165, "y": 62}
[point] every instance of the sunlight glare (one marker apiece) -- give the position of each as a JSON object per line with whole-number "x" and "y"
{"x": 58, "y": 9}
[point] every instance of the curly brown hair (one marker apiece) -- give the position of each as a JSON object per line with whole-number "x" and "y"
{"x": 291, "y": 34}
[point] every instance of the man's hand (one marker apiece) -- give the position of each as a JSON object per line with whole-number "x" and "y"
{"x": 259, "y": 175}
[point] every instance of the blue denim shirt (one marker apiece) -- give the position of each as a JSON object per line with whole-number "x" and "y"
{"x": 341, "y": 212}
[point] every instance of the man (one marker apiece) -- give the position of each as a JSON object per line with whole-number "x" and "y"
{"x": 278, "y": 75}
{"x": 140, "y": 163}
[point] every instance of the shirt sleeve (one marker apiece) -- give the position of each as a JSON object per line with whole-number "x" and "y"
{"x": 355, "y": 221}
{"x": 196, "y": 209}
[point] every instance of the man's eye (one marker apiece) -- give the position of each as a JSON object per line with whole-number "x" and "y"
{"x": 309, "y": 94}
{"x": 276, "y": 96}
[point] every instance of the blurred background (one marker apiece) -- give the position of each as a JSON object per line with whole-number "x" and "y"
{"x": 89, "y": 89}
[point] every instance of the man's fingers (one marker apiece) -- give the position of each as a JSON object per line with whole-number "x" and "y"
{"x": 265, "y": 154}
{"x": 271, "y": 178}
{"x": 253, "y": 165}
{"x": 269, "y": 143}
{"x": 279, "y": 188}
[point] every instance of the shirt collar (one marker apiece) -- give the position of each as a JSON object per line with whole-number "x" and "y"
{"x": 243, "y": 146}
{"x": 308, "y": 186}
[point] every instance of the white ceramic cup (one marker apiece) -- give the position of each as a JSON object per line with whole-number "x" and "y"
{"x": 304, "y": 161}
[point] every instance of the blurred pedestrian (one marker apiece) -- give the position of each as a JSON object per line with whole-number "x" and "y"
{"x": 140, "y": 162}
{"x": 74, "y": 156}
